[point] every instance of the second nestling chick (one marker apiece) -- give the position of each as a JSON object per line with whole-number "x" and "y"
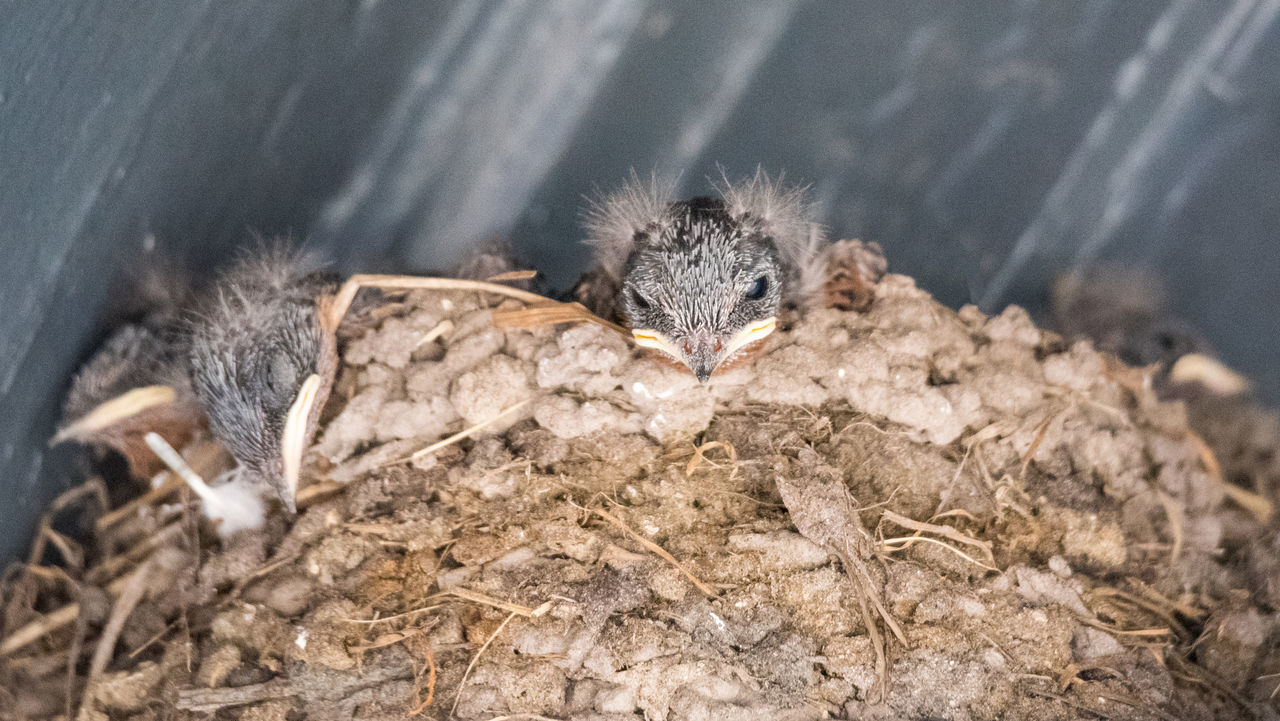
{"x": 263, "y": 357}
{"x": 703, "y": 280}
{"x": 137, "y": 380}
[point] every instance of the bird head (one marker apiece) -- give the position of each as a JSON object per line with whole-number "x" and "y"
{"x": 701, "y": 286}
{"x": 261, "y": 364}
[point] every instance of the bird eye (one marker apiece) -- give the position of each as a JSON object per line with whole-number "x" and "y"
{"x": 758, "y": 288}
{"x": 640, "y": 300}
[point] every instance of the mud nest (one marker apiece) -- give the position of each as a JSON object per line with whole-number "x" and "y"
{"x": 901, "y": 513}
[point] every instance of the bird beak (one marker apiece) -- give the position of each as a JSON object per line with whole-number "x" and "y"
{"x": 756, "y": 331}
{"x": 702, "y": 351}
{"x": 106, "y": 414}
{"x": 294, "y": 441}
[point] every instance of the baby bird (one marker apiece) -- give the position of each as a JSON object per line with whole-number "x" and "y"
{"x": 703, "y": 280}
{"x": 137, "y": 381}
{"x": 263, "y": 357}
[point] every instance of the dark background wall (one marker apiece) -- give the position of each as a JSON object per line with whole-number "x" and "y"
{"x": 987, "y": 145}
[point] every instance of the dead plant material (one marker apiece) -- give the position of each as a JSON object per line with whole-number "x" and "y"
{"x": 1173, "y": 511}
{"x": 467, "y": 594}
{"x": 466, "y": 674}
{"x": 512, "y": 275}
{"x": 946, "y": 532}
{"x": 49, "y": 623}
{"x": 443, "y": 328}
{"x": 551, "y": 312}
{"x": 1257, "y": 505}
{"x": 822, "y": 511}
{"x": 203, "y": 457}
{"x": 131, "y": 593}
{"x": 459, "y": 436}
{"x": 654, "y": 548}
{"x": 700, "y": 457}
{"x": 347, "y": 293}
{"x": 421, "y": 704}
{"x": 114, "y": 566}
{"x": 209, "y": 700}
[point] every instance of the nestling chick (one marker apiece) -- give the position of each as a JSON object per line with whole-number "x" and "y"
{"x": 263, "y": 357}
{"x": 703, "y": 280}
{"x": 137, "y": 381}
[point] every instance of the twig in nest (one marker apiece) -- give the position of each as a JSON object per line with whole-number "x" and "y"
{"x": 1140, "y": 632}
{"x": 387, "y": 639}
{"x": 431, "y": 683}
{"x": 655, "y": 548}
{"x": 940, "y": 530}
{"x": 1258, "y": 506}
{"x": 154, "y": 638}
{"x": 316, "y": 492}
{"x": 347, "y": 293}
{"x": 444, "y": 327}
{"x": 700, "y": 457}
{"x": 261, "y": 571}
{"x": 823, "y": 512}
{"x": 463, "y": 683}
{"x": 215, "y": 699}
{"x": 112, "y": 567}
{"x": 135, "y": 587}
{"x": 513, "y": 275}
{"x": 460, "y": 435}
{"x": 49, "y": 623}
{"x": 1158, "y": 606}
{"x": 395, "y": 617}
{"x": 897, "y": 544}
{"x": 203, "y": 457}
{"x": 551, "y": 312}
{"x": 1041, "y": 430}
{"x": 467, "y": 594}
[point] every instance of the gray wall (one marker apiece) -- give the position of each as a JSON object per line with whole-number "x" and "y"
{"x": 987, "y": 145}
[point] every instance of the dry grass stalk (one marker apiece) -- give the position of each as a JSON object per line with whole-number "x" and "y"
{"x": 316, "y": 492}
{"x": 700, "y": 457}
{"x": 422, "y": 705}
{"x": 49, "y": 623}
{"x": 890, "y": 545}
{"x": 203, "y": 457}
{"x": 1162, "y": 609}
{"x": 944, "y": 531}
{"x": 655, "y": 548}
{"x": 395, "y": 617}
{"x": 467, "y": 594}
{"x": 465, "y": 674}
{"x": 1040, "y": 432}
{"x": 342, "y": 300}
{"x": 208, "y": 700}
{"x": 134, "y": 588}
{"x": 513, "y": 275}
{"x": 1257, "y": 505}
{"x": 114, "y": 566}
{"x": 551, "y": 312}
{"x": 459, "y": 436}
{"x": 899, "y": 543}
{"x": 442, "y": 328}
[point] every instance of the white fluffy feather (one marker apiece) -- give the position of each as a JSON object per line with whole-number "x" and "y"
{"x": 612, "y": 221}
{"x": 786, "y": 214}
